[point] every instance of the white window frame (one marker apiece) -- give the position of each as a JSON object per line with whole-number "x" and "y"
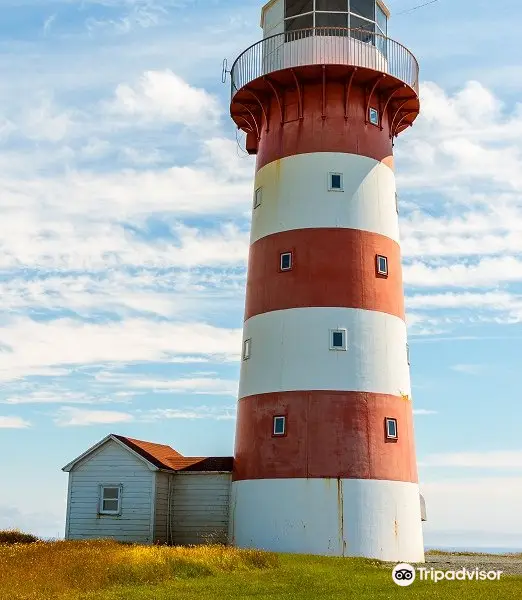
{"x": 279, "y": 418}
{"x": 344, "y": 348}
{"x": 247, "y": 349}
{"x": 258, "y": 197}
{"x": 389, "y": 436}
{"x": 334, "y": 189}
{"x": 103, "y": 487}
{"x": 386, "y": 270}
{"x": 373, "y": 111}
{"x": 291, "y": 255}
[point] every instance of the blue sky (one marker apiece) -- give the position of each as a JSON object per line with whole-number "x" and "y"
{"x": 125, "y": 206}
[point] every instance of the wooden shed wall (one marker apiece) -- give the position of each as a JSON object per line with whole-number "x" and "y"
{"x": 111, "y": 465}
{"x": 200, "y": 508}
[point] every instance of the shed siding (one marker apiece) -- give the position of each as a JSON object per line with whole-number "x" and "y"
{"x": 162, "y": 498}
{"x": 200, "y": 508}
{"x": 111, "y": 465}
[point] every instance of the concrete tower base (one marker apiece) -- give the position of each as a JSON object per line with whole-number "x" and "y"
{"x": 329, "y": 517}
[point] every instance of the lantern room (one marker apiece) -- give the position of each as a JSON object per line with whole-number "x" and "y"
{"x": 279, "y": 16}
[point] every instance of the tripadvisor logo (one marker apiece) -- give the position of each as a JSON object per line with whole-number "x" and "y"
{"x": 404, "y": 575}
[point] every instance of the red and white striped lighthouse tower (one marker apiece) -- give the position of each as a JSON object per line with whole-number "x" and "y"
{"x": 325, "y": 458}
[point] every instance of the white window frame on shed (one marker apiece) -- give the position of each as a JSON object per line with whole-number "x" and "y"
{"x": 344, "y": 333}
{"x": 102, "y": 499}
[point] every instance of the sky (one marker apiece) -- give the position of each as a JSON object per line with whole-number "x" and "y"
{"x": 125, "y": 205}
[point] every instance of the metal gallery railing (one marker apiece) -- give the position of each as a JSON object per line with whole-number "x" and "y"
{"x": 325, "y": 45}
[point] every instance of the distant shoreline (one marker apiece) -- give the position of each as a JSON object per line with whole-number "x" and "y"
{"x": 476, "y": 550}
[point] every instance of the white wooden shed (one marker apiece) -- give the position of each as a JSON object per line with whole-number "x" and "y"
{"x": 135, "y": 491}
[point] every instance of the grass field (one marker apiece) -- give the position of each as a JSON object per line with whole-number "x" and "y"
{"x": 109, "y": 571}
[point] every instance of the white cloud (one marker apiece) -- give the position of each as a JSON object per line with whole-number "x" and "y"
{"x": 198, "y": 413}
{"x": 424, "y": 412}
{"x": 454, "y": 300}
{"x": 511, "y": 459}
{"x": 13, "y": 423}
{"x": 487, "y": 272}
{"x": 75, "y": 417}
{"x": 164, "y": 96}
{"x": 467, "y": 510}
{"x": 37, "y": 345}
{"x": 468, "y": 369}
{"x": 41, "y": 394}
{"x": 187, "y": 385}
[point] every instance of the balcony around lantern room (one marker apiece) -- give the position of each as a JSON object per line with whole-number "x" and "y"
{"x": 300, "y": 33}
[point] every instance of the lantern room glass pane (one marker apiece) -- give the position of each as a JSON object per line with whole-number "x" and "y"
{"x": 332, "y": 5}
{"x": 363, "y": 8}
{"x": 331, "y": 20}
{"x": 299, "y": 23}
{"x": 364, "y": 30}
{"x": 298, "y": 7}
{"x": 382, "y": 20}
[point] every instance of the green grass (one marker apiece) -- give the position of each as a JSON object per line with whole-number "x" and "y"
{"x": 104, "y": 570}
{"x": 303, "y": 577}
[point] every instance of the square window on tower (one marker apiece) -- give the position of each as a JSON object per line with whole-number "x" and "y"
{"x": 374, "y": 116}
{"x": 391, "y": 429}
{"x": 382, "y": 266}
{"x": 335, "y": 182}
{"x": 279, "y": 429}
{"x": 338, "y": 339}
{"x": 287, "y": 261}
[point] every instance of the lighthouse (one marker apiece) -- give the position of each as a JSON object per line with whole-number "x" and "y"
{"x": 325, "y": 455}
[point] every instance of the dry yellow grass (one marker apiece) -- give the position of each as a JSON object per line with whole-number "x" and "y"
{"x": 45, "y": 570}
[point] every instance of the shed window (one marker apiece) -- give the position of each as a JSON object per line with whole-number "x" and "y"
{"x": 335, "y": 182}
{"x": 287, "y": 261}
{"x": 110, "y": 500}
{"x": 338, "y": 339}
{"x": 382, "y": 265}
{"x": 279, "y": 426}
{"x": 391, "y": 429}
{"x": 258, "y": 197}
{"x": 374, "y": 116}
{"x": 247, "y": 349}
